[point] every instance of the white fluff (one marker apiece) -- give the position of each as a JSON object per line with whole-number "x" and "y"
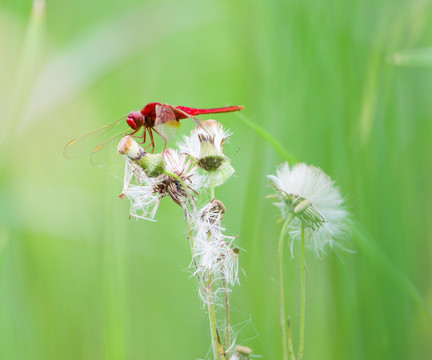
{"x": 207, "y": 139}
{"x": 142, "y": 190}
{"x": 302, "y": 182}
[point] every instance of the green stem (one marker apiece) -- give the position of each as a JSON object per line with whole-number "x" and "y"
{"x": 217, "y": 346}
{"x": 303, "y": 295}
{"x": 227, "y": 315}
{"x": 290, "y": 343}
{"x": 212, "y": 186}
{"x": 282, "y": 317}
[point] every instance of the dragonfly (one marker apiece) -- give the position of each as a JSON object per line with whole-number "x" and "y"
{"x": 158, "y": 118}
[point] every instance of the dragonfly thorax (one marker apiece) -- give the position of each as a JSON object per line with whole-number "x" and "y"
{"x": 135, "y": 120}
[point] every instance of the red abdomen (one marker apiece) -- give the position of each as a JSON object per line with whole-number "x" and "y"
{"x": 194, "y": 112}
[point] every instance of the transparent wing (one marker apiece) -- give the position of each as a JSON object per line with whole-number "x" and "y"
{"x": 106, "y": 151}
{"x": 193, "y": 118}
{"x": 97, "y": 139}
{"x": 166, "y": 123}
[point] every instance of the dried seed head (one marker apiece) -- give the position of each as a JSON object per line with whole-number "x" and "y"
{"x": 146, "y": 181}
{"x": 172, "y": 187}
{"x": 214, "y": 253}
{"x": 213, "y": 211}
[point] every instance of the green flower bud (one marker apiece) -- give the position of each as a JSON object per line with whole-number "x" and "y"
{"x": 152, "y": 164}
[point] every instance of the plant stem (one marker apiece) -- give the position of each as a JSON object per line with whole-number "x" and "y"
{"x": 212, "y": 186}
{"x": 277, "y": 146}
{"x": 227, "y": 315}
{"x": 290, "y": 343}
{"x": 303, "y": 295}
{"x": 282, "y": 317}
{"x": 217, "y": 346}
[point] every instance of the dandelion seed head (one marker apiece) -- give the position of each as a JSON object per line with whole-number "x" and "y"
{"x": 138, "y": 189}
{"x": 205, "y": 145}
{"x": 180, "y": 165}
{"x": 315, "y": 201}
{"x": 215, "y": 255}
{"x": 145, "y": 191}
{"x": 209, "y": 132}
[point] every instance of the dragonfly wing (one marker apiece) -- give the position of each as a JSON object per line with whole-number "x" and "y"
{"x": 185, "y": 114}
{"x": 100, "y": 154}
{"x": 86, "y": 144}
{"x": 193, "y": 118}
{"x": 166, "y": 123}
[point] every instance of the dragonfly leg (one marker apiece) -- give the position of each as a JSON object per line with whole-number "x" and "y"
{"x": 145, "y": 135}
{"x": 142, "y": 136}
{"x": 133, "y": 132}
{"x": 163, "y": 137}
{"x": 152, "y": 140}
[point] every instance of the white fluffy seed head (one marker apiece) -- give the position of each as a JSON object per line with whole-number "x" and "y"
{"x": 215, "y": 255}
{"x": 309, "y": 195}
{"x": 208, "y": 131}
{"x": 205, "y": 145}
{"x": 138, "y": 188}
{"x": 145, "y": 191}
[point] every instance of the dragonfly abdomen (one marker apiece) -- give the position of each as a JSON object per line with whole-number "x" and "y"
{"x": 194, "y": 112}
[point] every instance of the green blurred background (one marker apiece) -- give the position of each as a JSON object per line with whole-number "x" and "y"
{"x": 343, "y": 85}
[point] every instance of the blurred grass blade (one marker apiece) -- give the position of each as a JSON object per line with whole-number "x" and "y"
{"x": 275, "y": 144}
{"x": 368, "y": 246}
{"x": 380, "y": 259}
{"x": 4, "y": 238}
{"x": 27, "y": 67}
{"x": 95, "y": 54}
{"x": 420, "y": 57}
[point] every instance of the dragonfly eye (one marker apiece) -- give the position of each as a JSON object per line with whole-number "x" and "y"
{"x": 135, "y": 120}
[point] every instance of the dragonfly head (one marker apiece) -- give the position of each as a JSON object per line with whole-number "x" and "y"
{"x": 135, "y": 120}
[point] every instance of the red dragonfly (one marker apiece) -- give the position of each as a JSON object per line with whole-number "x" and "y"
{"x": 163, "y": 119}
